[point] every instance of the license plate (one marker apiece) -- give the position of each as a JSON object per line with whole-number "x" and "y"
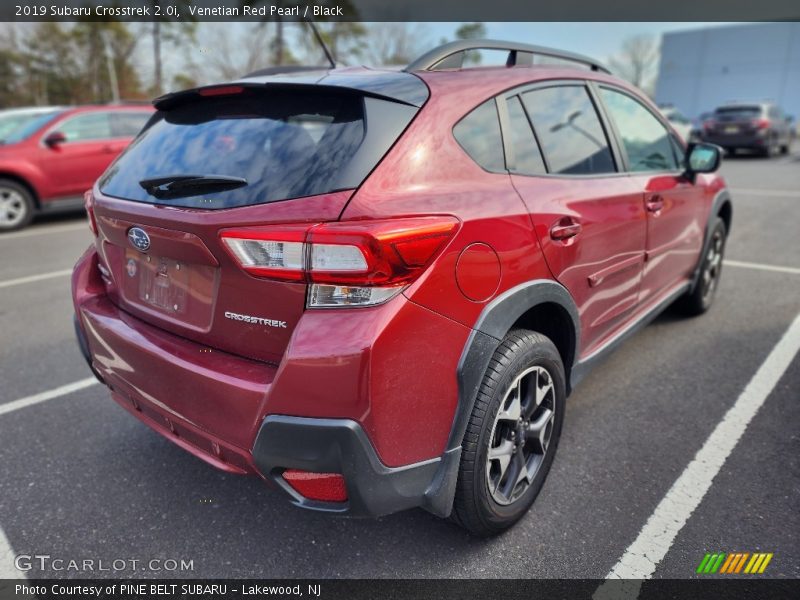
{"x": 732, "y": 129}
{"x": 159, "y": 281}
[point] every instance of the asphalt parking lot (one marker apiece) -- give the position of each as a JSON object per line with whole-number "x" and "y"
{"x": 80, "y": 479}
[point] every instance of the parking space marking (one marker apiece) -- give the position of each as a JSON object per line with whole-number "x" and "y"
{"x": 33, "y": 278}
{"x": 657, "y": 536}
{"x": 43, "y": 231}
{"x": 49, "y": 395}
{"x": 762, "y": 267}
{"x": 767, "y": 193}
{"x": 7, "y": 570}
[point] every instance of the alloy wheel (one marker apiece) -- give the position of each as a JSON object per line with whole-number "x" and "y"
{"x": 520, "y": 435}
{"x": 13, "y": 208}
{"x": 713, "y": 265}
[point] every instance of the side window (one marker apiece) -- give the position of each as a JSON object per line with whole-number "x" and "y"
{"x": 569, "y": 130}
{"x": 85, "y": 127}
{"x": 128, "y": 124}
{"x": 479, "y": 135}
{"x": 527, "y": 158}
{"x": 646, "y": 140}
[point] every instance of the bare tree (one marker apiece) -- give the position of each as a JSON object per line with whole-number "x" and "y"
{"x": 226, "y": 57}
{"x": 395, "y": 43}
{"x": 638, "y": 61}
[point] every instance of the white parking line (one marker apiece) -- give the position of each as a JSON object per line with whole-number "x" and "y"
{"x": 44, "y": 231}
{"x": 49, "y": 395}
{"x": 7, "y": 570}
{"x": 762, "y": 267}
{"x": 33, "y": 278}
{"x": 642, "y": 557}
{"x": 766, "y": 193}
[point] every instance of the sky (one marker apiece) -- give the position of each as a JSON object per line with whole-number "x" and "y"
{"x": 600, "y": 41}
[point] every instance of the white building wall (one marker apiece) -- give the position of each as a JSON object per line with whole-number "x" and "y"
{"x": 704, "y": 68}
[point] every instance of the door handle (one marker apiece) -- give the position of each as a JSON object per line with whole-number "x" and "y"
{"x": 654, "y": 203}
{"x": 565, "y": 229}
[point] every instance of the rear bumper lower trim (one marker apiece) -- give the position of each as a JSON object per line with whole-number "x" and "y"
{"x": 341, "y": 446}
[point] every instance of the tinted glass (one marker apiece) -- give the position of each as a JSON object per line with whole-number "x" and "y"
{"x": 479, "y": 135}
{"x": 569, "y": 130}
{"x": 128, "y": 124}
{"x": 14, "y": 130}
{"x": 527, "y": 158}
{"x": 284, "y": 144}
{"x": 89, "y": 126}
{"x": 646, "y": 140}
{"x": 738, "y": 112}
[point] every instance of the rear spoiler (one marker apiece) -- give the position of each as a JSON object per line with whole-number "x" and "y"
{"x": 394, "y": 87}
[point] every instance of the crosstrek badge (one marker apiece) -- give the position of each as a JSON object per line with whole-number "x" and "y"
{"x": 256, "y": 320}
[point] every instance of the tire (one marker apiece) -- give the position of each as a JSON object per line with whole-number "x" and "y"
{"x": 700, "y": 299}
{"x": 16, "y": 206}
{"x": 785, "y": 149}
{"x": 522, "y": 359}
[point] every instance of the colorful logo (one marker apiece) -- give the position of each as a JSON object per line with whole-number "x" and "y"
{"x": 734, "y": 563}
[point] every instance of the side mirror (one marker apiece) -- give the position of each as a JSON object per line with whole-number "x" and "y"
{"x": 54, "y": 139}
{"x": 702, "y": 158}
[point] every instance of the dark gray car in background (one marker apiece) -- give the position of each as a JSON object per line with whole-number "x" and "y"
{"x": 759, "y": 126}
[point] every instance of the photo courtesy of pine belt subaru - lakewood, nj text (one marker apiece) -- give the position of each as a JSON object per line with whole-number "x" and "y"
{"x": 375, "y": 289}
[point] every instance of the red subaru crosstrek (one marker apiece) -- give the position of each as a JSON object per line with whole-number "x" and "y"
{"x": 49, "y": 157}
{"x": 376, "y": 289}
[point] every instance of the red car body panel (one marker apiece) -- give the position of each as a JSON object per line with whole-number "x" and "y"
{"x": 65, "y": 171}
{"x": 209, "y": 382}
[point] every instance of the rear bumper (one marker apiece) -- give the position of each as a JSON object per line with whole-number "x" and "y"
{"x": 749, "y": 140}
{"x": 220, "y": 408}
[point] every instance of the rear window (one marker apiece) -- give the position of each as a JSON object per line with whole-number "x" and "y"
{"x": 739, "y": 112}
{"x": 285, "y": 144}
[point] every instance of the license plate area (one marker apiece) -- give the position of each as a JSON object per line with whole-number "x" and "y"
{"x": 181, "y": 291}
{"x": 162, "y": 282}
{"x": 732, "y": 129}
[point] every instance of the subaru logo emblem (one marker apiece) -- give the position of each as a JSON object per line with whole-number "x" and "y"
{"x": 139, "y": 239}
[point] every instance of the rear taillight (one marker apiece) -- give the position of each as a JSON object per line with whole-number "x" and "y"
{"x": 351, "y": 263}
{"x": 709, "y": 124}
{"x": 88, "y": 203}
{"x": 761, "y": 123}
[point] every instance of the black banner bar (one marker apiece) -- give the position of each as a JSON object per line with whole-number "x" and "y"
{"x": 397, "y": 10}
{"x": 742, "y": 587}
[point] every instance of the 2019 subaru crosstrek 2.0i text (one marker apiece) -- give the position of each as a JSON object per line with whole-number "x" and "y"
{"x": 375, "y": 289}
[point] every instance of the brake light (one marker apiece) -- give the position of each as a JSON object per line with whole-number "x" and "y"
{"x": 709, "y": 124}
{"x": 761, "y": 123}
{"x": 323, "y": 487}
{"x": 350, "y": 263}
{"x": 221, "y": 90}
{"x": 88, "y": 204}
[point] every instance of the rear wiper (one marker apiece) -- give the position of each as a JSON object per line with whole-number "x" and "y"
{"x": 181, "y": 186}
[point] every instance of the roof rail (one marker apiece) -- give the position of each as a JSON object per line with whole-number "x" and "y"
{"x": 451, "y": 55}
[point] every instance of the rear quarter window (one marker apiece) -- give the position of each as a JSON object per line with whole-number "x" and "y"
{"x": 479, "y": 135}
